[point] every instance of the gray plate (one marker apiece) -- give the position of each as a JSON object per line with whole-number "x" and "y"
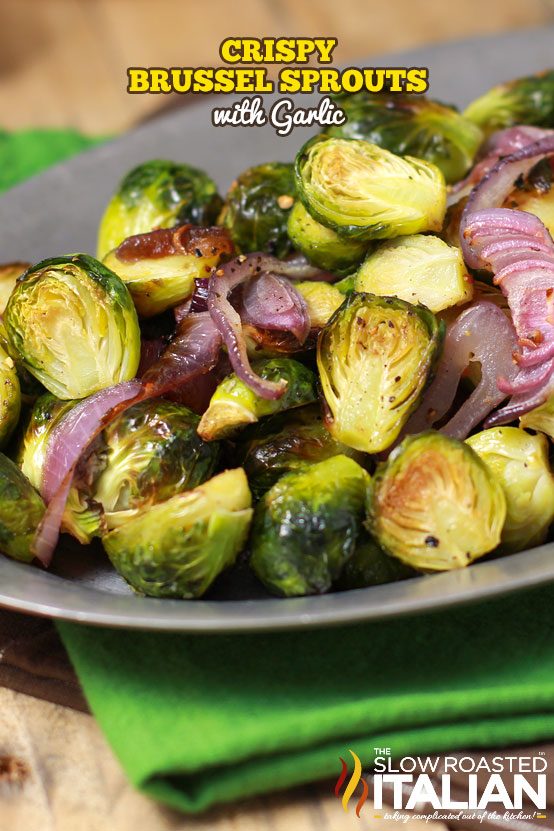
{"x": 58, "y": 212}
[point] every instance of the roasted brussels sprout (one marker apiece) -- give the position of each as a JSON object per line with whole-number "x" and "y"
{"x": 371, "y": 566}
{"x": 519, "y": 461}
{"x": 10, "y": 397}
{"x": 541, "y": 418}
{"x": 234, "y": 404}
{"x": 527, "y": 100}
{"x": 420, "y": 269}
{"x": 435, "y": 505}
{"x": 322, "y": 246}
{"x": 178, "y": 547}
{"x": 291, "y": 441}
{"x": 9, "y": 272}
{"x": 412, "y": 125}
{"x": 322, "y": 299}
{"x": 157, "y": 194}
{"x": 375, "y": 357}
{"x": 73, "y": 323}
{"x": 535, "y": 194}
{"x": 305, "y": 527}
{"x": 21, "y": 510}
{"x": 257, "y": 206}
{"x": 46, "y": 414}
{"x": 159, "y": 268}
{"x": 364, "y": 192}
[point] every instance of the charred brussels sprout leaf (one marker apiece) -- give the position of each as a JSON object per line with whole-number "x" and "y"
{"x": 234, "y": 404}
{"x": 420, "y": 269}
{"x": 527, "y": 100}
{"x": 290, "y": 443}
{"x": 371, "y": 566}
{"x": 412, "y": 125}
{"x": 322, "y": 246}
{"x": 9, "y": 272}
{"x": 159, "y": 268}
{"x": 364, "y": 192}
{"x": 157, "y": 194}
{"x": 178, "y": 547}
{"x": 541, "y": 418}
{"x": 257, "y": 207}
{"x": 520, "y": 463}
{"x": 73, "y": 323}
{"x": 305, "y": 527}
{"x": 375, "y": 357}
{"x": 10, "y": 397}
{"x": 21, "y": 510}
{"x": 322, "y": 299}
{"x": 435, "y": 505}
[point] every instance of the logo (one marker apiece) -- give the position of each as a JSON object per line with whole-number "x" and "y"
{"x": 353, "y": 783}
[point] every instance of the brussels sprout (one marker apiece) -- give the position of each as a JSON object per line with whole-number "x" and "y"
{"x": 10, "y": 397}
{"x": 435, "y": 505}
{"x": 157, "y": 194}
{"x": 305, "y": 527}
{"x": 527, "y": 100}
{"x": 322, "y": 299}
{"x": 177, "y": 548}
{"x": 9, "y": 272}
{"x": 322, "y": 246}
{"x": 365, "y": 192}
{"x": 519, "y": 462}
{"x": 541, "y": 418}
{"x": 30, "y": 388}
{"x": 419, "y": 269}
{"x": 535, "y": 194}
{"x": 47, "y": 413}
{"x": 371, "y": 566}
{"x": 257, "y": 206}
{"x": 234, "y": 404}
{"x": 73, "y": 323}
{"x": 159, "y": 268}
{"x": 375, "y": 357}
{"x": 288, "y": 443}
{"x": 21, "y": 511}
{"x": 412, "y": 125}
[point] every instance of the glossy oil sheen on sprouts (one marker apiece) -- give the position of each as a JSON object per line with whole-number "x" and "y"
{"x": 374, "y": 357}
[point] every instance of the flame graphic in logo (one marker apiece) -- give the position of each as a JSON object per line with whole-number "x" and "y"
{"x": 355, "y": 780}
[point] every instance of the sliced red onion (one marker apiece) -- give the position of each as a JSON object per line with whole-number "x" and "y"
{"x": 65, "y": 447}
{"x": 150, "y": 353}
{"x": 481, "y": 333}
{"x": 272, "y": 302}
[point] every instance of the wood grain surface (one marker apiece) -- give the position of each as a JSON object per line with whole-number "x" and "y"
{"x": 62, "y": 63}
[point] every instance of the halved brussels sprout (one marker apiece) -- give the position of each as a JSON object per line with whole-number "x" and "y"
{"x": 46, "y": 414}
{"x": 375, "y": 357}
{"x": 371, "y": 566}
{"x": 288, "y": 443}
{"x": 10, "y": 397}
{"x": 159, "y": 268}
{"x": 435, "y": 505}
{"x": 177, "y": 548}
{"x": 419, "y": 269}
{"x": 9, "y": 272}
{"x": 322, "y": 299}
{"x": 30, "y": 388}
{"x": 21, "y": 511}
{"x": 234, "y": 404}
{"x": 322, "y": 246}
{"x": 157, "y": 194}
{"x": 73, "y": 323}
{"x": 519, "y": 461}
{"x": 257, "y": 206}
{"x": 541, "y": 418}
{"x": 535, "y": 194}
{"x": 305, "y": 528}
{"x": 412, "y": 125}
{"x": 364, "y": 192}
{"x": 527, "y": 100}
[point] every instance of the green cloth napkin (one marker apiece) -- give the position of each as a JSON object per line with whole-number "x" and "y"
{"x": 197, "y": 720}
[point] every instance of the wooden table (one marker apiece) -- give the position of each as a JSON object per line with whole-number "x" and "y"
{"x": 62, "y": 63}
